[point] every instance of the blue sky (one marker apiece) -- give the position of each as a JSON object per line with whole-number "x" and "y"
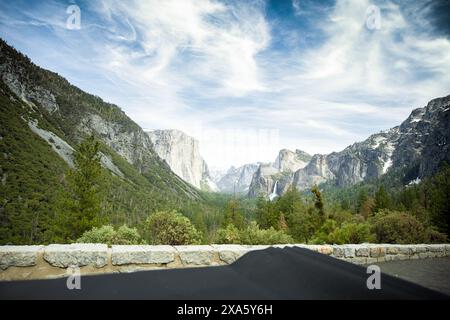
{"x": 246, "y": 78}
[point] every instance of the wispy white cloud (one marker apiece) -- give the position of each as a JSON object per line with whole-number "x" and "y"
{"x": 196, "y": 41}
{"x": 296, "y": 6}
{"x": 374, "y": 76}
{"x": 381, "y": 62}
{"x": 210, "y": 66}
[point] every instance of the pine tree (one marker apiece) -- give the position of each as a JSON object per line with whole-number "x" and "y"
{"x": 288, "y": 202}
{"x": 318, "y": 201}
{"x": 266, "y": 213}
{"x": 362, "y": 198}
{"x": 345, "y": 204}
{"x": 440, "y": 199}
{"x": 382, "y": 200}
{"x": 262, "y": 211}
{"x": 81, "y": 201}
{"x": 233, "y": 215}
{"x": 198, "y": 220}
{"x": 366, "y": 209}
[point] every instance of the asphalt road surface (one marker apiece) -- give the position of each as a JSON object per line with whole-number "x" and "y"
{"x": 430, "y": 273}
{"x": 290, "y": 273}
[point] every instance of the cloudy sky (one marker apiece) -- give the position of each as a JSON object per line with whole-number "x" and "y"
{"x": 246, "y": 78}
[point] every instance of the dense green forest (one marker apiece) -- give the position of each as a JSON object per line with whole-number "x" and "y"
{"x": 369, "y": 212}
{"x": 82, "y": 210}
{"x": 34, "y": 179}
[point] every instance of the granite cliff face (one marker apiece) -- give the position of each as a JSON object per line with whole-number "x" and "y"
{"x": 258, "y": 178}
{"x": 73, "y": 114}
{"x": 237, "y": 179}
{"x": 358, "y": 162}
{"x": 273, "y": 179}
{"x": 424, "y": 139}
{"x": 288, "y": 160}
{"x": 182, "y": 154}
{"x": 417, "y": 147}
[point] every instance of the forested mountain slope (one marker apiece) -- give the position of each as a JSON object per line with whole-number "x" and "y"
{"x": 43, "y": 119}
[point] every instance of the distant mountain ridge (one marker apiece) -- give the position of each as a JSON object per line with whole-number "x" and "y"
{"x": 274, "y": 178}
{"x": 417, "y": 147}
{"x": 237, "y": 179}
{"x": 62, "y": 115}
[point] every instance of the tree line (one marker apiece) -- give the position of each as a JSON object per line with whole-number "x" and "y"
{"x": 417, "y": 213}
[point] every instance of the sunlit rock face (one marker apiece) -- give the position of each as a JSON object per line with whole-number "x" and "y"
{"x": 237, "y": 179}
{"x": 63, "y": 115}
{"x": 182, "y": 154}
{"x": 288, "y": 160}
{"x": 273, "y": 179}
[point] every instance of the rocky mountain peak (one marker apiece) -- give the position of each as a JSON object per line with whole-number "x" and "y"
{"x": 237, "y": 179}
{"x": 274, "y": 178}
{"x": 182, "y": 154}
{"x": 418, "y": 146}
{"x": 288, "y": 160}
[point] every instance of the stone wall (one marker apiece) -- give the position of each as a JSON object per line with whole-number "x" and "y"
{"x": 52, "y": 261}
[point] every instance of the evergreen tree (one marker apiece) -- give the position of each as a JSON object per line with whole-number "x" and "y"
{"x": 362, "y": 198}
{"x": 288, "y": 203}
{"x": 81, "y": 201}
{"x": 409, "y": 198}
{"x": 266, "y": 216}
{"x": 260, "y": 211}
{"x": 440, "y": 199}
{"x": 282, "y": 224}
{"x": 233, "y": 215}
{"x": 304, "y": 224}
{"x": 345, "y": 204}
{"x": 294, "y": 216}
{"x": 366, "y": 209}
{"x": 382, "y": 199}
{"x": 198, "y": 221}
{"x": 318, "y": 200}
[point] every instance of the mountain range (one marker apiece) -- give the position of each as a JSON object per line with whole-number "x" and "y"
{"x": 415, "y": 148}
{"x": 167, "y": 163}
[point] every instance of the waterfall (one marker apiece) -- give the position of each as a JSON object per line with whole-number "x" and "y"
{"x": 274, "y": 193}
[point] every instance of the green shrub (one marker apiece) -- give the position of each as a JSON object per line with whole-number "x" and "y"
{"x": 434, "y": 236}
{"x": 171, "y": 228}
{"x": 108, "y": 235}
{"x": 341, "y": 216}
{"x": 252, "y": 235}
{"x": 352, "y": 233}
{"x": 228, "y": 235}
{"x": 348, "y": 232}
{"x": 398, "y": 227}
{"x": 323, "y": 234}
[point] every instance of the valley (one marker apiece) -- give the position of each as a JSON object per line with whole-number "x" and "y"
{"x": 158, "y": 177}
